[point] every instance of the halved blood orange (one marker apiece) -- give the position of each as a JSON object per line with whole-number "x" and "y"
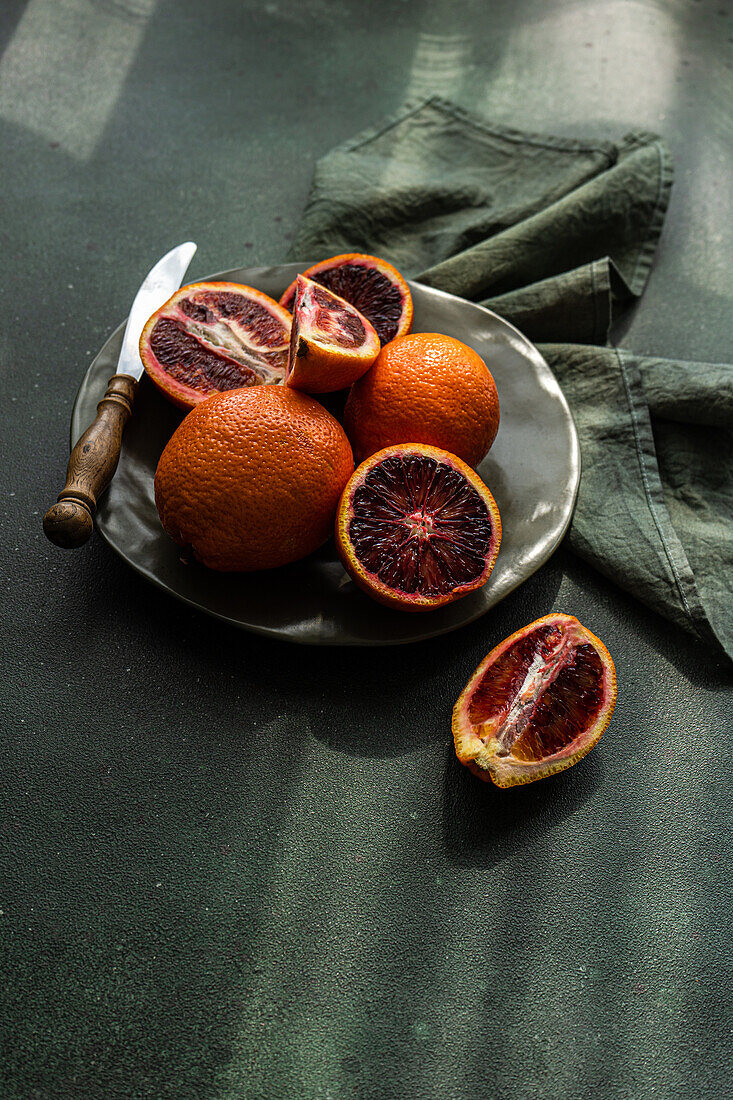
{"x": 373, "y": 286}
{"x": 331, "y": 343}
{"x": 417, "y": 528}
{"x": 536, "y": 704}
{"x": 211, "y": 337}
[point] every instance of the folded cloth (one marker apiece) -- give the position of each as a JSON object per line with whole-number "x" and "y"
{"x": 557, "y": 235}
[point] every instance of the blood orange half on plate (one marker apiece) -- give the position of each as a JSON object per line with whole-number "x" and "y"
{"x": 417, "y": 528}
{"x": 536, "y": 704}
{"x": 211, "y": 337}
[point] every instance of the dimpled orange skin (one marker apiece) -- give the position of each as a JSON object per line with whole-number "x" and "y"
{"x": 251, "y": 478}
{"x": 424, "y": 388}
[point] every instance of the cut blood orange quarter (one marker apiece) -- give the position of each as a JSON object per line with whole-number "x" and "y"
{"x": 417, "y": 528}
{"x": 212, "y": 337}
{"x": 373, "y": 286}
{"x": 536, "y": 704}
{"x": 331, "y": 343}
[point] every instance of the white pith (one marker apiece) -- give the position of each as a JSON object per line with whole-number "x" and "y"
{"x": 333, "y": 330}
{"x": 228, "y": 337}
{"x": 238, "y": 344}
{"x": 420, "y": 525}
{"x": 538, "y": 678}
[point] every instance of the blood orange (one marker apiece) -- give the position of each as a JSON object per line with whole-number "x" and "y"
{"x": 331, "y": 343}
{"x": 416, "y": 528}
{"x": 251, "y": 478}
{"x": 426, "y": 388}
{"x": 211, "y": 337}
{"x": 536, "y": 704}
{"x": 373, "y": 286}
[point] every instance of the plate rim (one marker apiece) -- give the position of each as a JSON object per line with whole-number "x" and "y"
{"x": 528, "y": 347}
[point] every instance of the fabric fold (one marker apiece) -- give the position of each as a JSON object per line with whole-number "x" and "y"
{"x": 624, "y": 519}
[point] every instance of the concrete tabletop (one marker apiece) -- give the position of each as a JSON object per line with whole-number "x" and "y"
{"x": 230, "y": 867}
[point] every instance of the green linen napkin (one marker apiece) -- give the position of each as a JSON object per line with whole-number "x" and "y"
{"x": 556, "y": 235}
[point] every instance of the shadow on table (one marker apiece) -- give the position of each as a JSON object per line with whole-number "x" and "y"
{"x": 384, "y": 702}
{"x": 362, "y": 701}
{"x": 482, "y": 824}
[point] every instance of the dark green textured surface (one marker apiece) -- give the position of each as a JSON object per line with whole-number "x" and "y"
{"x": 235, "y": 869}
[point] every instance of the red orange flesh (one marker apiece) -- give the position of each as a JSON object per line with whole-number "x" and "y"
{"x": 213, "y": 337}
{"x": 536, "y": 704}
{"x": 331, "y": 343}
{"x": 369, "y": 283}
{"x": 416, "y": 528}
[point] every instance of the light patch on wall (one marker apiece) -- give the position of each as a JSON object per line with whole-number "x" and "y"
{"x": 64, "y": 68}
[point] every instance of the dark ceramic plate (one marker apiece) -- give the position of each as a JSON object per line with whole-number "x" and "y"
{"x": 533, "y": 471}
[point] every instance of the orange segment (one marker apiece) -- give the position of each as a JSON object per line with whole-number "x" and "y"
{"x": 536, "y": 704}
{"x": 331, "y": 344}
{"x": 372, "y": 285}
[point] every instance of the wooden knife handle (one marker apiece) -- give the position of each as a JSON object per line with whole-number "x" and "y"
{"x": 92, "y": 463}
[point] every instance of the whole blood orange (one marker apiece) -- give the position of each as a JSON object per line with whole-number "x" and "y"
{"x": 536, "y": 704}
{"x": 331, "y": 343}
{"x": 373, "y": 286}
{"x": 425, "y": 388}
{"x": 251, "y": 478}
{"x": 416, "y": 528}
{"x": 211, "y": 337}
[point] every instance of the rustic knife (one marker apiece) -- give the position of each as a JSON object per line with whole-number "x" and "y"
{"x": 94, "y": 459}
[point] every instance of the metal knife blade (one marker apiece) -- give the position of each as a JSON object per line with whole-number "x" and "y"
{"x": 94, "y": 459}
{"x": 160, "y": 282}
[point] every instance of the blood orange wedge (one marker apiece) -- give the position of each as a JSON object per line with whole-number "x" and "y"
{"x": 416, "y": 528}
{"x": 536, "y": 704}
{"x": 211, "y": 337}
{"x": 331, "y": 344}
{"x": 373, "y": 286}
